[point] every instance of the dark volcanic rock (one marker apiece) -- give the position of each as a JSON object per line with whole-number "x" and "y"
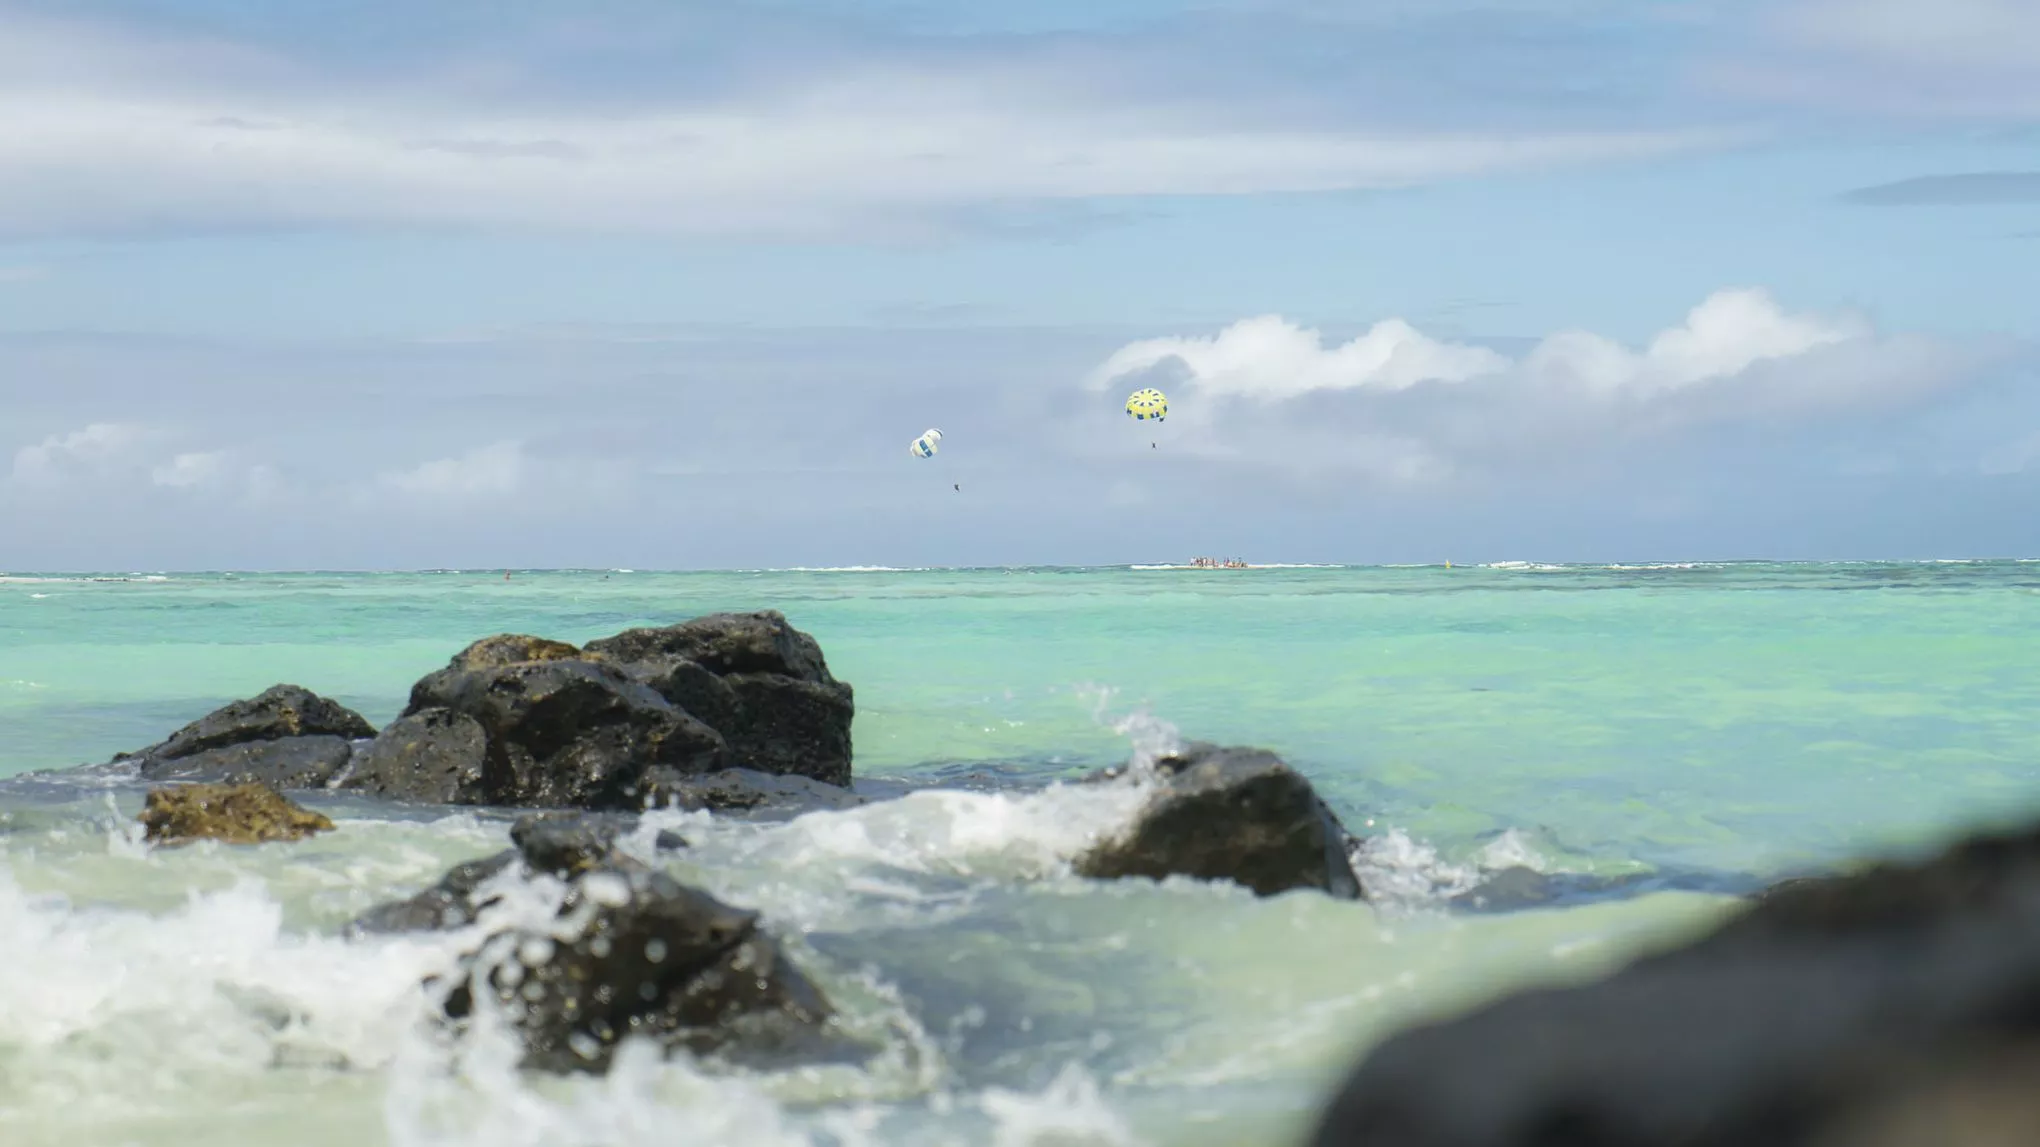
{"x": 1832, "y": 1011}
{"x": 433, "y": 756}
{"x": 757, "y": 680}
{"x": 279, "y": 712}
{"x": 287, "y": 763}
{"x": 449, "y": 904}
{"x": 649, "y": 957}
{"x": 747, "y": 793}
{"x": 567, "y": 844}
{"x": 235, "y": 814}
{"x": 559, "y": 731}
{"x": 1231, "y": 814}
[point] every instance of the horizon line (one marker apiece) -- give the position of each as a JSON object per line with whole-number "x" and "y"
{"x": 1506, "y": 565}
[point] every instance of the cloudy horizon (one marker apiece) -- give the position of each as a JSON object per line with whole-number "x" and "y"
{"x": 673, "y": 286}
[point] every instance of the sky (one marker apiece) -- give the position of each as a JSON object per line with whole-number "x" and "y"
{"x": 292, "y": 284}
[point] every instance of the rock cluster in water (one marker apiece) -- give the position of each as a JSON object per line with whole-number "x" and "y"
{"x": 1896, "y": 1006}
{"x": 734, "y": 713}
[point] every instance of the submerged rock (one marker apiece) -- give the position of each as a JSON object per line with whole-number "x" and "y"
{"x": 747, "y": 793}
{"x": 757, "y": 680}
{"x": 1892, "y": 1005}
{"x": 631, "y": 952}
{"x": 286, "y": 736}
{"x": 235, "y": 814}
{"x": 1230, "y": 814}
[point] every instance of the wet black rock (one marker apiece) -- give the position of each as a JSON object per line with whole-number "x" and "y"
{"x": 746, "y": 794}
{"x": 286, "y": 736}
{"x": 1232, "y": 814}
{"x": 287, "y": 763}
{"x": 1888, "y": 1006}
{"x": 432, "y": 756}
{"x": 645, "y": 956}
{"x": 757, "y": 680}
{"x": 568, "y": 844}
{"x": 558, "y": 730}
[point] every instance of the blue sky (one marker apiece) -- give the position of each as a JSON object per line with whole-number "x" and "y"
{"x": 671, "y": 284}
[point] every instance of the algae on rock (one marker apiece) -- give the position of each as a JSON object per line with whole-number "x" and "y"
{"x": 236, "y": 814}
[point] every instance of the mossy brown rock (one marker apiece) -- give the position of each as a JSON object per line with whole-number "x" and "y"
{"x": 235, "y": 814}
{"x": 513, "y": 649}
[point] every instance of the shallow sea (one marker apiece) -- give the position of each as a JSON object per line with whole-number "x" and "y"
{"x": 1693, "y": 729}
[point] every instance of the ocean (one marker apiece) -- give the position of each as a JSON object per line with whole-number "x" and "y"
{"x": 1657, "y": 739}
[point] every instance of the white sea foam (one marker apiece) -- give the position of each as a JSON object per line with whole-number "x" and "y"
{"x": 1401, "y": 872}
{"x": 1069, "y": 1112}
{"x": 1148, "y": 736}
{"x": 215, "y": 986}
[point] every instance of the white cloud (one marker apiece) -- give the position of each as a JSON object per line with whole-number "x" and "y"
{"x": 105, "y": 458}
{"x": 841, "y": 150}
{"x": 190, "y": 469}
{"x": 96, "y": 449}
{"x": 1398, "y": 407}
{"x": 1722, "y": 337}
{"x": 484, "y": 471}
{"x": 21, "y": 273}
{"x": 1270, "y": 357}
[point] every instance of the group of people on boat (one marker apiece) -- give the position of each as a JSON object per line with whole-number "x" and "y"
{"x": 1217, "y": 564}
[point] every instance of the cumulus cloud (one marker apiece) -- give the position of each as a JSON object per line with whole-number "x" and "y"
{"x": 485, "y": 471}
{"x": 196, "y": 469}
{"x": 97, "y": 449}
{"x": 1722, "y": 337}
{"x": 1397, "y": 406}
{"x": 105, "y": 459}
{"x": 258, "y": 144}
{"x": 1270, "y": 357}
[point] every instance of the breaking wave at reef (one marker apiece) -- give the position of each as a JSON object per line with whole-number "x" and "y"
{"x": 204, "y": 994}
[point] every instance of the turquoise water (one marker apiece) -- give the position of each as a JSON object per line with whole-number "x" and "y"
{"x": 1722, "y": 722}
{"x": 1735, "y": 717}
